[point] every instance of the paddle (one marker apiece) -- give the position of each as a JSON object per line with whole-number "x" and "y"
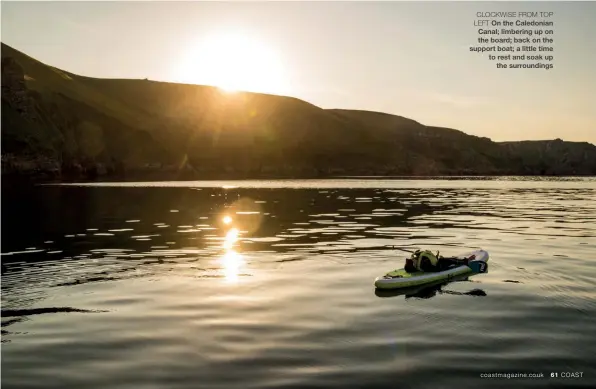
{"x": 407, "y": 251}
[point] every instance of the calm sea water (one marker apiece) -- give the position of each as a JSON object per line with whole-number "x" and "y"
{"x": 269, "y": 284}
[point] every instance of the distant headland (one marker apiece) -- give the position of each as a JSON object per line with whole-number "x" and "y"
{"x": 60, "y": 126}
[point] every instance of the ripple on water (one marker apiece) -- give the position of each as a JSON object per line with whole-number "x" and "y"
{"x": 300, "y": 310}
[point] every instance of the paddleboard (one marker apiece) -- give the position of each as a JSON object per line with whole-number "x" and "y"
{"x": 400, "y": 278}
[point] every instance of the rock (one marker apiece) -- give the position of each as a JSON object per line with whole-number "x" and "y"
{"x": 14, "y": 89}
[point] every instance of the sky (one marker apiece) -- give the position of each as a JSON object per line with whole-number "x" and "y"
{"x": 405, "y": 58}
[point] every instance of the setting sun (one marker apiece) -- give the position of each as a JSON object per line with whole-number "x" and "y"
{"x": 233, "y": 62}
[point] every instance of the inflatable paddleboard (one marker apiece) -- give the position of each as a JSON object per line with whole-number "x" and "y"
{"x": 400, "y": 278}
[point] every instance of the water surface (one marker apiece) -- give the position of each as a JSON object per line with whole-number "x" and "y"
{"x": 268, "y": 284}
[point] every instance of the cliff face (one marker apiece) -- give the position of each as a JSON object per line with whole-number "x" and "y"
{"x": 61, "y": 125}
{"x": 48, "y": 130}
{"x": 553, "y": 157}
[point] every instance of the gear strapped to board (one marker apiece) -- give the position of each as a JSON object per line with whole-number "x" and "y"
{"x": 424, "y": 260}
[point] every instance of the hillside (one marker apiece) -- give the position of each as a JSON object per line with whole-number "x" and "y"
{"x": 60, "y": 125}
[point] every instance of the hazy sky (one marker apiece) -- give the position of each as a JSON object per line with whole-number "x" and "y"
{"x": 406, "y": 58}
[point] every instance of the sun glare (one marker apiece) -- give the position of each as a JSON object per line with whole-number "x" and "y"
{"x": 231, "y": 260}
{"x": 231, "y": 238}
{"x": 233, "y": 62}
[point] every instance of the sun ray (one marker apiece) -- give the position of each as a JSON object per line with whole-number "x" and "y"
{"x": 234, "y": 62}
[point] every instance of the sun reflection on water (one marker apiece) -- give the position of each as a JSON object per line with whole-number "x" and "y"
{"x": 231, "y": 260}
{"x": 230, "y": 239}
{"x": 242, "y": 216}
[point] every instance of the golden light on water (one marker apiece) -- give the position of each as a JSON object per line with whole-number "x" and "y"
{"x": 248, "y": 214}
{"x": 231, "y": 238}
{"x": 232, "y": 261}
{"x": 248, "y": 218}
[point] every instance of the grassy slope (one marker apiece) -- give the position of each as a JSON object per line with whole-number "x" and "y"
{"x": 140, "y": 122}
